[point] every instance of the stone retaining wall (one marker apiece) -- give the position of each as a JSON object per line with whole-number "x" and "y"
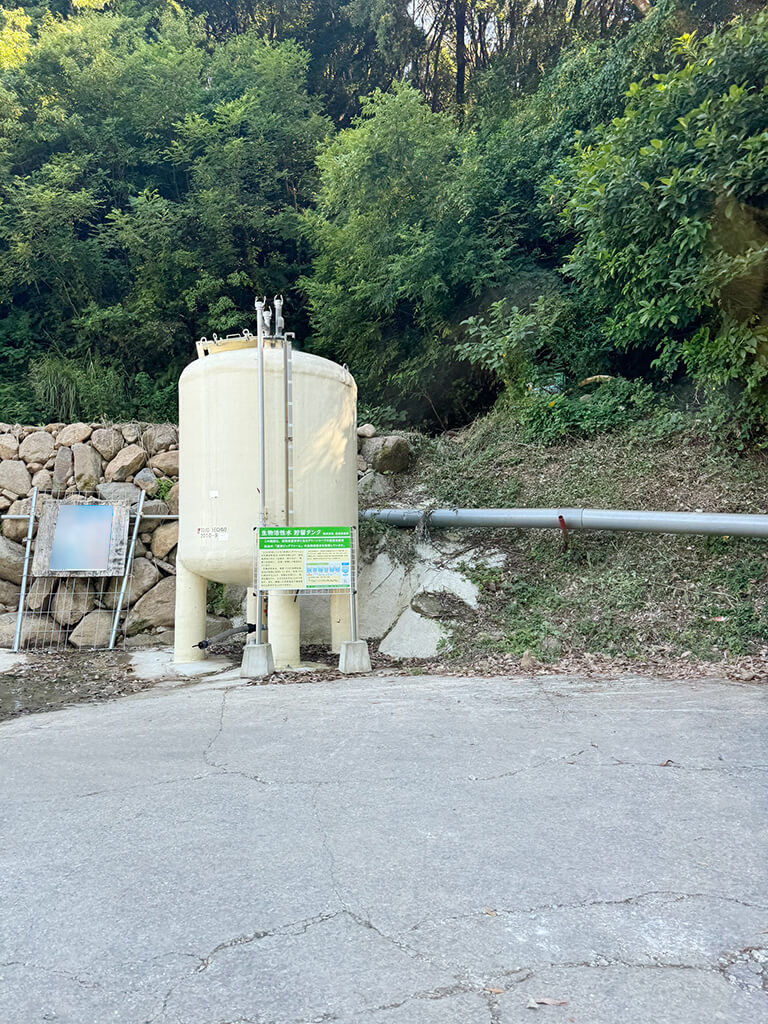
{"x": 114, "y": 462}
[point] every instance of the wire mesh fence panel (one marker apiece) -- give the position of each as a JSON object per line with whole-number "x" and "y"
{"x": 74, "y": 607}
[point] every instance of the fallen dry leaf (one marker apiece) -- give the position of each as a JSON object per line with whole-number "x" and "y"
{"x": 496, "y": 991}
{"x": 490, "y": 913}
{"x": 549, "y": 1001}
{"x": 666, "y": 764}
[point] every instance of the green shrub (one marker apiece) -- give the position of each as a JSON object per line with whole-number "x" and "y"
{"x": 164, "y": 485}
{"x": 383, "y": 417}
{"x": 66, "y": 389}
{"x": 670, "y": 210}
{"x": 400, "y": 243}
{"x": 548, "y": 417}
{"x": 560, "y": 333}
{"x": 153, "y": 400}
{"x": 501, "y": 343}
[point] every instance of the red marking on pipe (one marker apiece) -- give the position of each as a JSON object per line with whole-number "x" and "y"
{"x": 564, "y": 528}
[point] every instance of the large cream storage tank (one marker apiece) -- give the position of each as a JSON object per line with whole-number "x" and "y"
{"x": 219, "y": 476}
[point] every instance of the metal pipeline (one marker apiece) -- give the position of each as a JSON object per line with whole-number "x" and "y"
{"x": 249, "y": 628}
{"x": 709, "y": 523}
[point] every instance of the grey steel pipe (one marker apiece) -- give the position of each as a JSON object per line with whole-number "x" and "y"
{"x": 127, "y": 573}
{"x": 25, "y": 571}
{"x": 262, "y": 442}
{"x": 353, "y": 585}
{"x": 709, "y": 523}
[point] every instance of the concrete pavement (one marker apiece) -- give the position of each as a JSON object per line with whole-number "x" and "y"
{"x": 394, "y": 850}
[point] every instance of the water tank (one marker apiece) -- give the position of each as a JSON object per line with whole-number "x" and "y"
{"x": 219, "y": 474}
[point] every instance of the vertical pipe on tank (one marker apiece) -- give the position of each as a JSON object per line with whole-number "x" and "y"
{"x": 262, "y": 437}
{"x": 262, "y": 446}
{"x": 284, "y": 616}
{"x": 190, "y": 615}
{"x": 283, "y": 622}
{"x": 288, "y": 426}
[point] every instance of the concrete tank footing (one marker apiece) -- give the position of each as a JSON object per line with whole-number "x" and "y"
{"x": 257, "y": 661}
{"x": 354, "y": 657}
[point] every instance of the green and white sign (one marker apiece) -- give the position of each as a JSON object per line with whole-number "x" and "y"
{"x": 304, "y": 557}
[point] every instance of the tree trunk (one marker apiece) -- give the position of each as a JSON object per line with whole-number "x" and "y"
{"x": 461, "y": 51}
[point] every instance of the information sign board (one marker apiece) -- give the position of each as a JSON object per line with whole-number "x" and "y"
{"x": 304, "y": 558}
{"x": 81, "y": 539}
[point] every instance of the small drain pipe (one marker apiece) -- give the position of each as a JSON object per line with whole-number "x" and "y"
{"x": 709, "y": 523}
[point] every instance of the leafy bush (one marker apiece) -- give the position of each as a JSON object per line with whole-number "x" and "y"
{"x": 150, "y": 181}
{"x": 164, "y": 486}
{"x": 383, "y": 417}
{"x": 558, "y": 334}
{"x": 155, "y": 401}
{"x": 400, "y": 243}
{"x": 547, "y": 418}
{"x": 68, "y": 389}
{"x": 670, "y": 210}
{"x": 500, "y": 343}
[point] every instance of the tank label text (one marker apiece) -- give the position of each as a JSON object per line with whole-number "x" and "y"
{"x": 213, "y": 532}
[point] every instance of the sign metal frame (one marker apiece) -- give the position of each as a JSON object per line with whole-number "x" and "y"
{"x": 315, "y": 538}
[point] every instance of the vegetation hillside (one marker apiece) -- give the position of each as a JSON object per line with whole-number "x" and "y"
{"x": 637, "y": 599}
{"x": 459, "y": 200}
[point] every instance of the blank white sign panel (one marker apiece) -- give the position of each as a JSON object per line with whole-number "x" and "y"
{"x": 82, "y": 539}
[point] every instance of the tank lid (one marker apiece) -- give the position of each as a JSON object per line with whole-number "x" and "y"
{"x": 247, "y": 340}
{"x": 206, "y": 347}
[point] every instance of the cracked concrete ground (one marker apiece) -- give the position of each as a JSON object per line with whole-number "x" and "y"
{"x": 394, "y": 850}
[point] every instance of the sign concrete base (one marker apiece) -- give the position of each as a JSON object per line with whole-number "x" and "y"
{"x": 354, "y": 657}
{"x": 257, "y": 661}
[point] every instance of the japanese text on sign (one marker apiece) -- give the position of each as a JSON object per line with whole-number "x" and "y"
{"x": 305, "y": 557}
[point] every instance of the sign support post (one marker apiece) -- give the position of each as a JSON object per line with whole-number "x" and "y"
{"x": 127, "y": 573}
{"x": 258, "y": 589}
{"x": 353, "y": 588}
{"x": 258, "y": 660}
{"x": 25, "y": 571}
{"x": 354, "y": 656}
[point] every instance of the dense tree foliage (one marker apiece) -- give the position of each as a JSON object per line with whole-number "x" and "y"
{"x": 642, "y": 253}
{"x": 669, "y": 208}
{"x": 455, "y": 197}
{"x": 149, "y": 182}
{"x": 400, "y": 233}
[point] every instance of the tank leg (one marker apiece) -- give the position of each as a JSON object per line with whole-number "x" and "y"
{"x": 284, "y": 627}
{"x": 341, "y": 626}
{"x": 189, "y": 616}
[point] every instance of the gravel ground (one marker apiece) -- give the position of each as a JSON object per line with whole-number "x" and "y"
{"x": 45, "y": 682}
{"x": 35, "y": 682}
